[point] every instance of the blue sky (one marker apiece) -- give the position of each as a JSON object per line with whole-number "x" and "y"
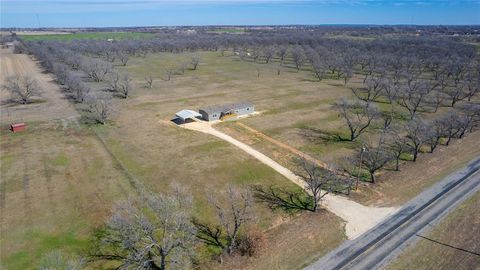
{"x": 91, "y": 13}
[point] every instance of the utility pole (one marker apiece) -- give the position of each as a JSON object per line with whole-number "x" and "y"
{"x": 359, "y": 164}
{"x": 38, "y": 20}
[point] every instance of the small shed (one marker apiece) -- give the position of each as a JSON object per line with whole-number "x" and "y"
{"x": 223, "y": 111}
{"x": 184, "y": 115}
{"x": 18, "y": 127}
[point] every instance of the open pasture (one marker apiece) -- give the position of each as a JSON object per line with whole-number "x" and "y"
{"x": 295, "y": 107}
{"x": 57, "y": 184}
{"x": 141, "y": 142}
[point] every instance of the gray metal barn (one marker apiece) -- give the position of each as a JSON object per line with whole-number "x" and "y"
{"x": 225, "y": 111}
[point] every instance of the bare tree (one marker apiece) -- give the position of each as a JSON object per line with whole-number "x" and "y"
{"x": 436, "y": 99}
{"x": 232, "y": 216}
{"x": 125, "y": 85}
{"x": 436, "y": 130}
{"x": 398, "y": 145}
{"x": 194, "y": 61}
{"x": 357, "y": 115}
{"x": 298, "y": 57}
{"x": 74, "y": 60}
{"x": 22, "y": 88}
{"x": 100, "y": 107}
{"x": 456, "y": 93}
{"x": 391, "y": 90}
{"x": 374, "y": 87}
{"x": 347, "y": 74}
{"x": 60, "y": 70}
{"x": 268, "y": 53}
{"x": 113, "y": 80}
{"x": 282, "y": 52}
{"x": 375, "y": 157}
{"x": 417, "y": 135}
{"x": 255, "y": 53}
{"x": 472, "y": 83}
{"x": 451, "y": 124}
{"x": 413, "y": 95}
{"x": 157, "y": 234}
{"x": 76, "y": 86}
{"x": 168, "y": 74}
{"x": 149, "y": 81}
{"x": 469, "y": 118}
{"x": 124, "y": 57}
{"x": 110, "y": 53}
{"x": 319, "y": 69}
{"x": 19, "y": 47}
{"x": 318, "y": 182}
{"x": 96, "y": 69}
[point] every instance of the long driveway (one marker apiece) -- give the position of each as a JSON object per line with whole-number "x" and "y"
{"x": 359, "y": 218}
{"x": 383, "y": 243}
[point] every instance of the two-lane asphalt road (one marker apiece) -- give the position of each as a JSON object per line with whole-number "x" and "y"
{"x": 382, "y": 243}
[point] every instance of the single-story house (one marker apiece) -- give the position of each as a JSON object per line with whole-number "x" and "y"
{"x": 217, "y": 112}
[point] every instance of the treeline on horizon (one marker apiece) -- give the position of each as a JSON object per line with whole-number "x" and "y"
{"x": 348, "y": 29}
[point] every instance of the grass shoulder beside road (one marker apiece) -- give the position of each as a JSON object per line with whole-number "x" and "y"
{"x": 454, "y": 242}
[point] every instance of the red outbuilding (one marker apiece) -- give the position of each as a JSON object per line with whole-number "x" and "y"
{"x": 18, "y": 127}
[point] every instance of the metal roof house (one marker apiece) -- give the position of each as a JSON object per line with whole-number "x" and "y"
{"x": 184, "y": 115}
{"x": 224, "y": 111}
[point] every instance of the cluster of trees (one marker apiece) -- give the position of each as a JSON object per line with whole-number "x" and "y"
{"x": 161, "y": 231}
{"x": 415, "y": 136}
{"x": 411, "y": 93}
{"x": 22, "y": 88}
{"x": 82, "y": 66}
{"x": 89, "y": 81}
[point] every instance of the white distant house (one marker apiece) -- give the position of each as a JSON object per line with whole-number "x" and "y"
{"x": 215, "y": 112}
{"x": 225, "y": 111}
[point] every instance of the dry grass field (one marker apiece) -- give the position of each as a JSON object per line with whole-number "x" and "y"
{"x": 57, "y": 183}
{"x": 58, "y": 179}
{"x": 456, "y": 246}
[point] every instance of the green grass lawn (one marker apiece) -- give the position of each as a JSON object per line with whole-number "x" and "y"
{"x": 84, "y": 35}
{"x": 56, "y": 186}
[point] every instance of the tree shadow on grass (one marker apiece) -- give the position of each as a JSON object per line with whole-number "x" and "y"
{"x": 284, "y": 199}
{"x": 318, "y": 135}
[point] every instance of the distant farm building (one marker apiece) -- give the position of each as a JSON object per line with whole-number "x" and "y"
{"x": 225, "y": 111}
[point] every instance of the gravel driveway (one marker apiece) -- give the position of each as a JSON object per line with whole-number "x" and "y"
{"x": 359, "y": 218}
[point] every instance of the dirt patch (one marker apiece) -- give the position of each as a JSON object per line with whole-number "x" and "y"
{"x": 52, "y": 104}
